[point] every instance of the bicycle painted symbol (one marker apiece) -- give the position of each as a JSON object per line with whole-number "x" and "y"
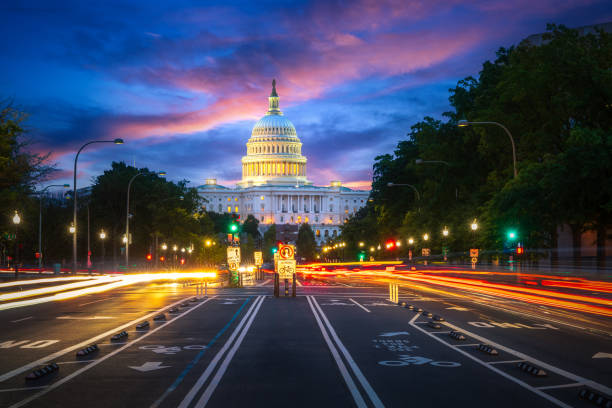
{"x": 406, "y": 360}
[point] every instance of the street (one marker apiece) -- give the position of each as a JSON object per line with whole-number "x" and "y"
{"x": 339, "y": 342}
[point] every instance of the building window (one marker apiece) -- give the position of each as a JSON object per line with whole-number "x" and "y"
{"x": 236, "y": 209}
{"x": 229, "y": 199}
{"x": 229, "y": 209}
{"x": 262, "y": 218}
{"x": 331, "y": 208}
{"x": 262, "y": 197}
{"x": 299, "y": 219}
{"x": 220, "y": 208}
{"x": 317, "y": 218}
{"x": 318, "y": 233}
{"x": 306, "y": 220}
{"x": 292, "y": 219}
{"x": 263, "y": 207}
{"x": 282, "y": 219}
{"x": 334, "y": 233}
{"x": 236, "y": 199}
{"x": 326, "y": 233}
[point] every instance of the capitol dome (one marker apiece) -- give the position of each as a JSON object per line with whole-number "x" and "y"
{"x": 274, "y": 151}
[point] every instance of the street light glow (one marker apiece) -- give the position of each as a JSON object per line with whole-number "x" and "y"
{"x": 102, "y": 234}
{"x": 425, "y": 237}
{"x": 410, "y": 241}
{"x": 71, "y": 229}
{"x": 16, "y": 218}
{"x": 474, "y": 225}
{"x": 445, "y": 232}
{"x": 361, "y": 244}
{"x": 164, "y": 246}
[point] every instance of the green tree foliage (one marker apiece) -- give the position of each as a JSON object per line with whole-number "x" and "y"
{"x": 556, "y": 99}
{"x": 305, "y": 243}
{"x": 269, "y": 242}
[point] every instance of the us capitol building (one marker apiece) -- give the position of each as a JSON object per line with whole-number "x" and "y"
{"x": 274, "y": 187}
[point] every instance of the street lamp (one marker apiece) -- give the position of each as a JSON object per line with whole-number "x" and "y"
{"x": 425, "y": 237}
{"x": 406, "y": 185}
{"x": 208, "y": 243}
{"x": 71, "y": 229}
{"x": 127, "y": 218}
{"x": 465, "y": 123}
{"x": 74, "y": 186}
{"x": 40, "y": 200}
{"x": 410, "y": 241}
{"x": 361, "y": 244}
{"x": 16, "y": 222}
{"x": 164, "y": 247}
{"x": 474, "y": 225}
{"x": 102, "y": 238}
{"x": 445, "y": 232}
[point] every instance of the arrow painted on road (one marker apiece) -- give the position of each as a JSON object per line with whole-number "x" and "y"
{"x": 461, "y": 309}
{"x": 603, "y": 355}
{"x": 391, "y": 334}
{"x": 149, "y": 366}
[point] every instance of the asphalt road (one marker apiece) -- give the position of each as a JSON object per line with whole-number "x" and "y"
{"x": 339, "y": 343}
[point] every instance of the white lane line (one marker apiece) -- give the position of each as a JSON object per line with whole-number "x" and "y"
{"x": 76, "y": 362}
{"x": 595, "y": 385}
{"x": 23, "y": 389}
{"x": 506, "y": 362}
{"x": 82, "y": 344}
{"x": 467, "y": 345}
{"x": 95, "y": 301}
{"x": 440, "y": 332}
{"x": 503, "y": 374}
{"x": 228, "y": 358}
{"x": 264, "y": 282}
{"x": 106, "y": 357}
{"x": 552, "y": 387}
{"x": 297, "y": 281}
{"x": 21, "y": 320}
{"x": 347, "y": 356}
{"x": 359, "y": 401}
{"x": 211, "y": 366}
{"x": 359, "y": 304}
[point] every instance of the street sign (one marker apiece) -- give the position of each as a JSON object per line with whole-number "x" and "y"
{"x": 233, "y": 255}
{"x": 233, "y": 266}
{"x": 286, "y": 268}
{"x": 474, "y": 253}
{"x": 258, "y": 258}
{"x": 425, "y": 252}
{"x": 474, "y": 259}
{"x": 286, "y": 252}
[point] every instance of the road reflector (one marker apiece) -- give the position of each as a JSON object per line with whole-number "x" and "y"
{"x": 143, "y": 325}
{"x": 538, "y": 372}
{"x": 119, "y": 336}
{"x": 438, "y": 318}
{"x": 434, "y": 325}
{"x": 485, "y": 348}
{"x": 87, "y": 350}
{"x": 48, "y": 369}
{"x": 457, "y": 335}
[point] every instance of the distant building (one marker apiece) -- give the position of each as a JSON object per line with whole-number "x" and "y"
{"x": 274, "y": 186}
{"x": 537, "y": 39}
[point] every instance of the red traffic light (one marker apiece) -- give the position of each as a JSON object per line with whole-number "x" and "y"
{"x": 520, "y": 250}
{"x": 149, "y": 257}
{"x": 390, "y": 244}
{"x": 182, "y": 261}
{"x": 162, "y": 258}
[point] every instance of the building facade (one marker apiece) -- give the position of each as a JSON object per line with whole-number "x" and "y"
{"x": 274, "y": 186}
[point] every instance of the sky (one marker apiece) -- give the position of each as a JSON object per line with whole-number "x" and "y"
{"x": 183, "y": 82}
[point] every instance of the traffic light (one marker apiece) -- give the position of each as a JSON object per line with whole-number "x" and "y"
{"x": 274, "y": 250}
{"x": 149, "y": 257}
{"x": 233, "y": 227}
{"x": 512, "y": 235}
{"x": 162, "y": 258}
{"x": 520, "y": 250}
{"x": 182, "y": 261}
{"x": 362, "y": 256}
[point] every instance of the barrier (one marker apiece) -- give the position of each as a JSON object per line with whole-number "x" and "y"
{"x": 394, "y": 292}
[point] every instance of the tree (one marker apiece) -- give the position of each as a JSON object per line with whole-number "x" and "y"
{"x": 305, "y": 244}
{"x": 269, "y": 242}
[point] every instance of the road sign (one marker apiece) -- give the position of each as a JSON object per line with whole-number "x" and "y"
{"x": 425, "y": 252}
{"x": 286, "y": 252}
{"x": 474, "y": 259}
{"x": 233, "y": 255}
{"x": 286, "y": 268}
{"x": 258, "y": 258}
{"x": 474, "y": 253}
{"x": 233, "y": 266}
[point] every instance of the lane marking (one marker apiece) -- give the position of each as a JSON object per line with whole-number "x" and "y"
{"x": 106, "y": 357}
{"x": 359, "y": 401}
{"x": 552, "y": 387}
{"x": 211, "y": 366}
{"x": 82, "y": 344}
{"x": 95, "y": 301}
{"x": 23, "y": 389}
{"x": 182, "y": 375}
{"x": 228, "y": 359}
{"x": 440, "y": 332}
{"x": 298, "y": 282}
{"x": 503, "y": 374}
{"x": 506, "y": 362}
{"x": 21, "y": 320}
{"x": 359, "y": 304}
{"x": 264, "y": 282}
{"x": 75, "y": 362}
{"x": 467, "y": 345}
{"x": 362, "y": 380}
{"x": 595, "y": 385}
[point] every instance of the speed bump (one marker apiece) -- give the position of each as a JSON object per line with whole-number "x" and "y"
{"x": 409, "y": 307}
{"x": 595, "y": 398}
{"x": 457, "y": 335}
{"x": 428, "y": 314}
{"x": 87, "y": 350}
{"x": 41, "y": 372}
{"x": 403, "y": 304}
{"x": 434, "y": 325}
{"x": 160, "y": 316}
{"x": 173, "y": 310}
{"x": 119, "y": 336}
{"x": 417, "y": 309}
{"x": 538, "y": 372}
{"x": 142, "y": 326}
{"x": 485, "y": 348}
{"x": 438, "y": 318}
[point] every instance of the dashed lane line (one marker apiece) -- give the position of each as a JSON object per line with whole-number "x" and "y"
{"x": 349, "y": 359}
{"x": 106, "y": 357}
{"x": 21, "y": 320}
{"x": 212, "y": 365}
{"x": 85, "y": 343}
{"x": 95, "y": 301}
{"x": 505, "y": 362}
{"x": 360, "y": 305}
{"x": 23, "y": 389}
{"x": 264, "y": 282}
{"x": 554, "y": 387}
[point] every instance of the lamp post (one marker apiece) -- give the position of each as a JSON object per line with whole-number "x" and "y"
{"x": 410, "y": 243}
{"x": 465, "y": 123}
{"x": 40, "y": 200}
{"x": 418, "y": 196}
{"x": 16, "y": 222}
{"x": 445, "y": 233}
{"x": 127, "y": 218}
{"x": 74, "y": 186}
{"x": 421, "y": 161}
{"x": 102, "y": 238}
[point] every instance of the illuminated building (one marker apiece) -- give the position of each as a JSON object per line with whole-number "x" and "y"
{"x": 274, "y": 186}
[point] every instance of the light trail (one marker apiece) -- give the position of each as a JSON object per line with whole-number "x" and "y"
{"x": 39, "y": 281}
{"x": 112, "y": 282}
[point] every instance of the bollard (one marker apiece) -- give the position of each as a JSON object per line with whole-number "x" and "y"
{"x": 205, "y": 288}
{"x": 276, "y": 284}
{"x": 286, "y": 287}
{"x": 293, "y": 289}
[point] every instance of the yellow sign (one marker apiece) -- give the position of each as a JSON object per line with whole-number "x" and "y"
{"x": 286, "y": 268}
{"x": 474, "y": 253}
{"x": 425, "y": 252}
{"x": 233, "y": 266}
{"x": 474, "y": 260}
{"x": 233, "y": 255}
{"x": 258, "y": 258}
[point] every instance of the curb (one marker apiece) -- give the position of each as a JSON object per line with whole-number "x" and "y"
{"x": 457, "y": 335}
{"x": 119, "y": 336}
{"x": 597, "y": 399}
{"x": 535, "y": 371}
{"x": 485, "y": 348}
{"x": 48, "y": 369}
{"x": 87, "y": 350}
{"x": 142, "y": 326}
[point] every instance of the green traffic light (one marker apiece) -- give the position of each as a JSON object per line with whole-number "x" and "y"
{"x": 511, "y": 235}
{"x": 274, "y": 250}
{"x": 233, "y": 227}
